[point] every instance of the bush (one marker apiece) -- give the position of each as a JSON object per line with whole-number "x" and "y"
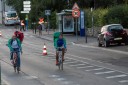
{"x": 98, "y": 17}
{"x": 53, "y": 20}
{"x": 117, "y": 14}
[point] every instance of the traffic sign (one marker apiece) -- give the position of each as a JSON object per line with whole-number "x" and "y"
{"x": 27, "y": 5}
{"x": 75, "y": 13}
{"x": 47, "y": 12}
{"x": 24, "y": 11}
{"x": 75, "y": 6}
{"x": 26, "y": 2}
{"x": 27, "y": 9}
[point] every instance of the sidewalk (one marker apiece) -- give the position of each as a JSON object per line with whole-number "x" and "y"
{"x": 70, "y": 38}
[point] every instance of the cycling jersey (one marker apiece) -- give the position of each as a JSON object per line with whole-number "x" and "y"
{"x": 60, "y": 42}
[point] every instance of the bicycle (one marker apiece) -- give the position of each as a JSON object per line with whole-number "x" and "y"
{"x": 14, "y": 62}
{"x": 60, "y": 60}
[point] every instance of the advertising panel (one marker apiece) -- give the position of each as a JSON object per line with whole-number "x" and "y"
{"x": 68, "y": 23}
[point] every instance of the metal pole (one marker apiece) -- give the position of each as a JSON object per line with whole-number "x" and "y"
{"x": 86, "y": 35}
{"x": 0, "y": 73}
{"x": 2, "y": 10}
{"x": 76, "y": 30}
{"x": 92, "y": 23}
{"x": 48, "y": 23}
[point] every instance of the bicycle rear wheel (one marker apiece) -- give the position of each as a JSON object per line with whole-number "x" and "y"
{"x": 62, "y": 65}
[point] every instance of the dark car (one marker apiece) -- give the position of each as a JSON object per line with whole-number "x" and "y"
{"x": 113, "y": 33}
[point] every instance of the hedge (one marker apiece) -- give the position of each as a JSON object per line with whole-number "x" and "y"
{"x": 117, "y": 14}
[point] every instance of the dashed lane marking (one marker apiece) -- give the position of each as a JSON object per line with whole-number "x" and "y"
{"x": 123, "y": 81}
{"x": 85, "y": 67}
{"x": 70, "y": 62}
{"x": 76, "y": 61}
{"x": 106, "y": 72}
{"x": 61, "y": 79}
{"x": 77, "y": 65}
{"x": 64, "y": 81}
{"x": 54, "y": 76}
{"x": 116, "y": 76}
{"x": 31, "y": 77}
{"x": 95, "y": 69}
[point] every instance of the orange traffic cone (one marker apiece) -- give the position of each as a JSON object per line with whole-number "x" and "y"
{"x": 0, "y": 33}
{"x": 44, "y": 50}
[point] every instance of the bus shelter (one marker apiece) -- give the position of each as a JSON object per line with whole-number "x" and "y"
{"x": 66, "y": 23}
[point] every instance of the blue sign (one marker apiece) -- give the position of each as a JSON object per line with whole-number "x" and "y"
{"x": 82, "y": 24}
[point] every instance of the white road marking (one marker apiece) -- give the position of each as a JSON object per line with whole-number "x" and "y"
{"x": 80, "y": 60}
{"x": 93, "y": 64}
{"x": 61, "y": 79}
{"x": 107, "y": 72}
{"x": 77, "y": 65}
{"x": 124, "y": 81}
{"x": 54, "y": 76}
{"x": 67, "y": 82}
{"x": 95, "y": 69}
{"x": 34, "y": 77}
{"x": 85, "y": 67}
{"x": 31, "y": 77}
{"x": 70, "y": 62}
{"x": 116, "y": 76}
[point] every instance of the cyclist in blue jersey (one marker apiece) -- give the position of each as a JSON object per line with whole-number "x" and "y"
{"x": 60, "y": 42}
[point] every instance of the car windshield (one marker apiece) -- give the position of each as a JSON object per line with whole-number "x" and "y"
{"x": 115, "y": 27}
{"x": 11, "y": 15}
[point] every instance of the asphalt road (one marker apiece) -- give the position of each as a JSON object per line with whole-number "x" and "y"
{"x": 84, "y": 64}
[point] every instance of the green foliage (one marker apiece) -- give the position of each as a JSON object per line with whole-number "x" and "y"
{"x": 118, "y": 14}
{"x": 98, "y": 17}
{"x": 53, "y": 20}
{"x": 102, "y": 15}
{"x": 88, "y": 18}
{"x": 16, "y": 4}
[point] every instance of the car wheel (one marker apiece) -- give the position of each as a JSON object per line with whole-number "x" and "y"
{"x": 106, "y": 43}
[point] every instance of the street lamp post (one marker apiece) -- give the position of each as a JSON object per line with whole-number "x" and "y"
{"x": 0, "y": 73}
{"x": 2, "y": 10}
{"x": 68, "y": 3}
{"x": 92, "y": 19}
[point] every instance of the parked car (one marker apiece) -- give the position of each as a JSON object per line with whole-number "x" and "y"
{"x": 112, "y": 33}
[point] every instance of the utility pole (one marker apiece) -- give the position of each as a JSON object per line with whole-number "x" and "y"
{"x": 92, "y": 22}
{"x": 2, "y": 10}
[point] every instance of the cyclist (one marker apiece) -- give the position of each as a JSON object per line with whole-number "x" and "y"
{"x": 14, "y": 45}
{"x": 19, "y": 35}
{"x": 59, "y": 41}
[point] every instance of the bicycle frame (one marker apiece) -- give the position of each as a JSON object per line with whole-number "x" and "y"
{"x": 15, "y": 62}
{"x": 60, "y": 60}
